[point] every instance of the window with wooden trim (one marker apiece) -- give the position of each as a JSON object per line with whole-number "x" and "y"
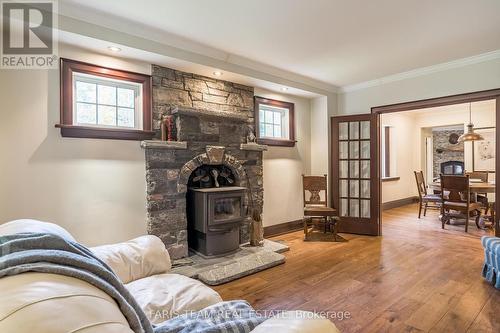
{"x": 388, "y": 153}
{"x": 99, "y": 102}
{"x": 274, "y": 122}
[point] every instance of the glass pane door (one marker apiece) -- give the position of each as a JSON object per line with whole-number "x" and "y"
{"x": 353, "y": 165}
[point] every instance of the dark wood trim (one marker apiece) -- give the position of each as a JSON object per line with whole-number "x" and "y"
{"x": 387, "y": 149}
{"x": 67, "y": 68}
{"x": 283, "y": 228}
{"x": 439, "y": 101}
{"x": 390, "y": 179}
{"x": 291, "y": 116}
{"x": 71, "y": 131}
{"x": 399, "y": 203}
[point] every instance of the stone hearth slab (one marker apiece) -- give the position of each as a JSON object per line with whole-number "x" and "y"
{"x": 246, "y": 261}
{"x": 247, "y": 265}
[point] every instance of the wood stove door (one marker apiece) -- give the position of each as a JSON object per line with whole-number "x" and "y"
{"x": 225, "y": 208}
{"x": 354, "y": 163}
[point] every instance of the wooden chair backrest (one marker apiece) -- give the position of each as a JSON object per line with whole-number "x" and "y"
{"x": 457, "y": 186}
{"x": 315, "y": 185}
{"x": 483, "y": 175}
{"x": 419, "y": 178}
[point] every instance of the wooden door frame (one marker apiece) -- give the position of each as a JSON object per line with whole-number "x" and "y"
{"x": 443, "y": 101}
{"x": 356, "y": 228}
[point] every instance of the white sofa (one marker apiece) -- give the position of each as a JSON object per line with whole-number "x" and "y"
{"x": 49, "y": 303}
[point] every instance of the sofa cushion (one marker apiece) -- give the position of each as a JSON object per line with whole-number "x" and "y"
{"x": 135, "y": 259}
{"x": 43, "y": 303}
{"x": 26, "y": 225}
{"x": 296, "y": 322}
{"x": 164, "y": 296}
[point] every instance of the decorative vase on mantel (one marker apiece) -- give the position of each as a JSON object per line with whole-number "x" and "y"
{"x": 167, "y": 128}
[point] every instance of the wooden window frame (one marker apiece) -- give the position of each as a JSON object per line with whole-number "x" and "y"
{"x": 291, "y": 122}
{"x": 68, "y": 129}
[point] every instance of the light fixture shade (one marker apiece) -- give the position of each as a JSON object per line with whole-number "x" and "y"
{"x": 470, "y": 135}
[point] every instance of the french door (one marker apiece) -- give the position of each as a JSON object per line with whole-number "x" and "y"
{"x": 355, "y": 186}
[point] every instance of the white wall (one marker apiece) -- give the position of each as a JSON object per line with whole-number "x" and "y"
{"x": 469, "y": 78}
{"x": 319, "y": 136}
{"x": 93, "y": 188}
{"x": 283, "y": 166}
{"x": 404, "y": 151}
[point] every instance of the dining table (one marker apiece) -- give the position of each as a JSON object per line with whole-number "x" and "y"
{"x": 476, "y": 186}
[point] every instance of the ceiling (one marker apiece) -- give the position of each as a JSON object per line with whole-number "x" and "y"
{"x": 338, "y": 42}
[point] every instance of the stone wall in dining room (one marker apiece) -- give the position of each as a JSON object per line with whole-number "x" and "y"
{"x": 445, "y": 151}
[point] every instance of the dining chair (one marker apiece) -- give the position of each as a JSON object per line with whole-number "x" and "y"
{"x": 481, "y": 197}
{"x": 316, "y": 208}
{"x": 424, "y": 199}
{"x": 458, "y": 200}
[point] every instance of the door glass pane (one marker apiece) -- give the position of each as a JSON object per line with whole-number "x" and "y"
{"x": 343, "y": 169}
{"x": 354, "y": 149}
{"x": 365, "y": 169}
{"x": 365, "y": 129}
{"x": 354, "y": 188}
{"x": 343, "y": 131}
{"x": 354, "y": 130}
{"x": 343, "y": 149}
{"x": 354, "y": 169}
{"x": 344, "y": 207}
{"x": 354, "y": 207}
{"x": 343, "y": 188}
{"x": 365, "y": 208}
{"x": 365, "y": 189}
{"x": 365, "y": 149}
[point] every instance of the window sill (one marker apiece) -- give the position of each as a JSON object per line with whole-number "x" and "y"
{"x": 72, "y": 131}
{"x": 390, "y": 179}
{"x": 277, "y": 142}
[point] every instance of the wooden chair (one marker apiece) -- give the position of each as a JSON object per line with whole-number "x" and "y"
{"x": 314, "y": 207}
{"x": 481, "y": 197}
{"x": 424, "y": 199}
{"x": 458, "y": 200}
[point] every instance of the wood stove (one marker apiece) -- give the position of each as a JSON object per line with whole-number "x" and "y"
{"x": 214, "y": 217}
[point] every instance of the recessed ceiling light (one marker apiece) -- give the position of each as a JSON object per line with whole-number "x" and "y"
{"x": 114, "y": 48}
{"x": 284, "y": 89}
{"x": 217, "y": 73}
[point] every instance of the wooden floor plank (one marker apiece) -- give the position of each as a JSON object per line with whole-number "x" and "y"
{"x": 415, "y": 278}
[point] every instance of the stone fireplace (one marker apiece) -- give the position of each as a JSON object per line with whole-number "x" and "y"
{"x": 212, "y": 119}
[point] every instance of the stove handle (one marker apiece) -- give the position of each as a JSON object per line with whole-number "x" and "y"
{"x": 220, "y": 229}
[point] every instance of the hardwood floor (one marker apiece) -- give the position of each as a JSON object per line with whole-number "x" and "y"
{"x": 415, "y": 278}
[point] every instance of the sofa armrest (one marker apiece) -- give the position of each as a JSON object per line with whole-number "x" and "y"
{"x": 135, "y": 259}
{"x": 296, "y": 322}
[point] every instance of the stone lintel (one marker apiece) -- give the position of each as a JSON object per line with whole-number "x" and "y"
{"x": 253, "y": 147}
{"x": 240, "y": 117}
{"x": 158, "y": 144}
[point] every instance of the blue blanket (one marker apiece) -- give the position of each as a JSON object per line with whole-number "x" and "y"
{"x": 48, "y": 253}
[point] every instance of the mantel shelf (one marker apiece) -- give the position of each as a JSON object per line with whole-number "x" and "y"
{"x": 253, "y": 147}
{"x": 240, "y": 117}
{"x": 158, "y": 144}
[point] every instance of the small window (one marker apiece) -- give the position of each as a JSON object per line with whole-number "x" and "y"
{"x": 389, "y": 168}
{"x": 99, "y": 102}
{"x": 274, "y": 122}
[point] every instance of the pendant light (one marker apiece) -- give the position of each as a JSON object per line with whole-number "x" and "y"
{"x": 470, "y": 135}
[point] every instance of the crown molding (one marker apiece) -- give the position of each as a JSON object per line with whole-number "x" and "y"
{"x": 422, "y": 71}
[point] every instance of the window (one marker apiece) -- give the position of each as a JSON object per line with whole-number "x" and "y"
{"x": 98, "y": 102}
{"x": 274, "y": 122}
{"x": 389, "y": 170}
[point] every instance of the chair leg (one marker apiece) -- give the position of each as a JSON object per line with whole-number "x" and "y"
{"x": 425, "y": 209}
{"x": 304, "y": 221}
{"x": 478, "y": 216}
{"x": 326, "y": 224}
{"x": 419, "y": 209}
